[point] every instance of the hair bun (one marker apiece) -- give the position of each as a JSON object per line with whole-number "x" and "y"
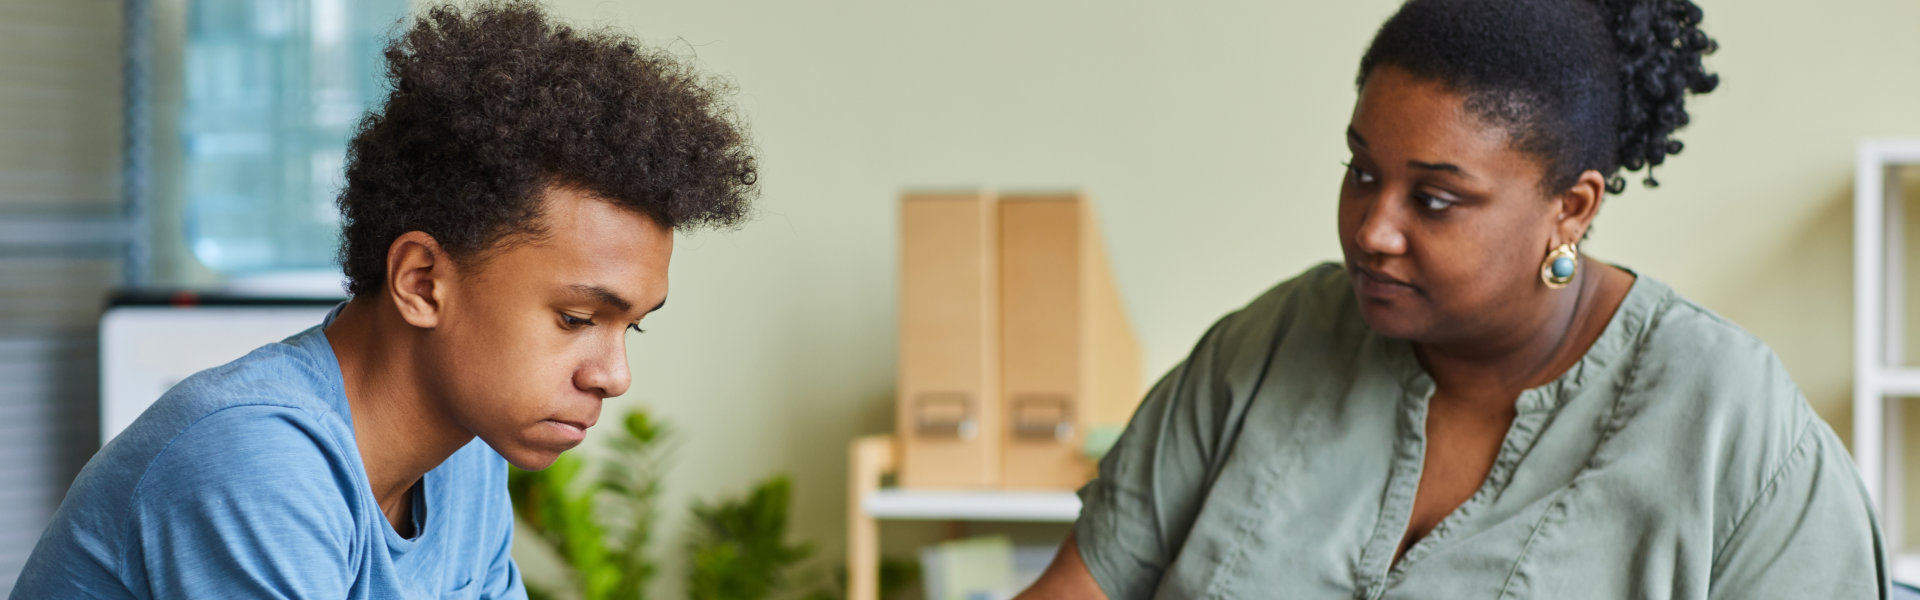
{"x": 1660, "y": 45}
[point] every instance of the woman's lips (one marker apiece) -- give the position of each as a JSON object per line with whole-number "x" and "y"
{"x": 1374, "y": 284}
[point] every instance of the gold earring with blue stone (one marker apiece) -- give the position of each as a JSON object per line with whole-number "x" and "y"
{"x": 1561, "y": 264}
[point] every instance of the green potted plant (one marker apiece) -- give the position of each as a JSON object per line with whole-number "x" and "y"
{"x": 597, "y": 521}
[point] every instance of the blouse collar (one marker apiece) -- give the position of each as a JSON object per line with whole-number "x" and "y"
{"x": 1613, "y": 348}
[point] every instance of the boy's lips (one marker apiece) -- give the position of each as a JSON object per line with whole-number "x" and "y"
{"x": 573, "y": 430}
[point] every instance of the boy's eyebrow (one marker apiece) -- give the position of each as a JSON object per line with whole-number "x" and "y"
{"x": 601, "y": 295}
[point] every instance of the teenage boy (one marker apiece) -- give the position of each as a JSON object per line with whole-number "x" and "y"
{"x": 509, "y": 215}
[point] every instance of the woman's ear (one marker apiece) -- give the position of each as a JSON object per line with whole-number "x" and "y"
{"x": 418, "y": 273}
{"x": 1578, "y": 205}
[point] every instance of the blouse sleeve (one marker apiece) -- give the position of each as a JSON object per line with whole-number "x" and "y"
{"x": 1136, "y": 514}
{"x": 1810, "y": 532}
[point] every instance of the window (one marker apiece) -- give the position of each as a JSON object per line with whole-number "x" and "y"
{"x": 274, "y": 89}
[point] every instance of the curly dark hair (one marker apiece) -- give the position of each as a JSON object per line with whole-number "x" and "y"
{"x": 1583, "y": 84}
{"x": 493, "y": 105}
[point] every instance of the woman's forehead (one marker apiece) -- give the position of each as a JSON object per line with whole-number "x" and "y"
{"x": 1418, "y": 122}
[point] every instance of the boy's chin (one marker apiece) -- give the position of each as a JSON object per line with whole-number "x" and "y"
{"x": 528, "y": 459}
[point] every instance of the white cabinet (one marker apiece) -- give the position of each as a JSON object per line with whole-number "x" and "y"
{"x": 147, "y": 346}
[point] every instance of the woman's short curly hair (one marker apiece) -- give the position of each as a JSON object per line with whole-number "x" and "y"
{"x": 494, "y": 104}
{"x": 1584, "y": 84}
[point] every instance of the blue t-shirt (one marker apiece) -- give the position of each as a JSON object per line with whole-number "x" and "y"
{"x": 244, "y": 481}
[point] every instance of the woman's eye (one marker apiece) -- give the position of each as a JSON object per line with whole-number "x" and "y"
{"x": 636, "y": 328}
{"x": 573, "y": 321}
{"x": 1358, "y": 175}
{"x": 1431, "y": 202}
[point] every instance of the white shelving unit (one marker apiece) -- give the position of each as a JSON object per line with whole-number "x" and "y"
{"x": 872, "y": 457}
{"x": 915, "y": 505}
{"x": 1881, "y": 376}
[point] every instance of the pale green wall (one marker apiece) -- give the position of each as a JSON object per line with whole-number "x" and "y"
{"x": 173, "y": 262}
{"x": 1210, "y": 134}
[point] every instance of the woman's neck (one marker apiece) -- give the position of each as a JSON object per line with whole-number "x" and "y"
{"x": 1537, "y": 352}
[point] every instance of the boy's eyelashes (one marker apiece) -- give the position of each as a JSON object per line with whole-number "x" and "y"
{"x": 573, "y": 322}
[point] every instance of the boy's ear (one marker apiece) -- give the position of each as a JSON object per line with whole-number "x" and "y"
{"x": 418, "y": 278}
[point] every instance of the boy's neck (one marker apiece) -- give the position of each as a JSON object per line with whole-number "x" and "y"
{"x": 400, "y": 426}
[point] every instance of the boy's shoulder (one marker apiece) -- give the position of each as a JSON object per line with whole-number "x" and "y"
{"x": 259, "y": 408}
{"x": 256, "y": 448}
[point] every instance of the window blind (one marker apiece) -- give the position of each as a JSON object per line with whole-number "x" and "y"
{"x": 63, "y": 246}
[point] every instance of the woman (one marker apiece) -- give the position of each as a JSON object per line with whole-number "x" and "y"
{"x": 1468, "y": 407}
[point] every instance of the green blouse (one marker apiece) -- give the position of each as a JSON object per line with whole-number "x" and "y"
{"x": 1676, "y": 460}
